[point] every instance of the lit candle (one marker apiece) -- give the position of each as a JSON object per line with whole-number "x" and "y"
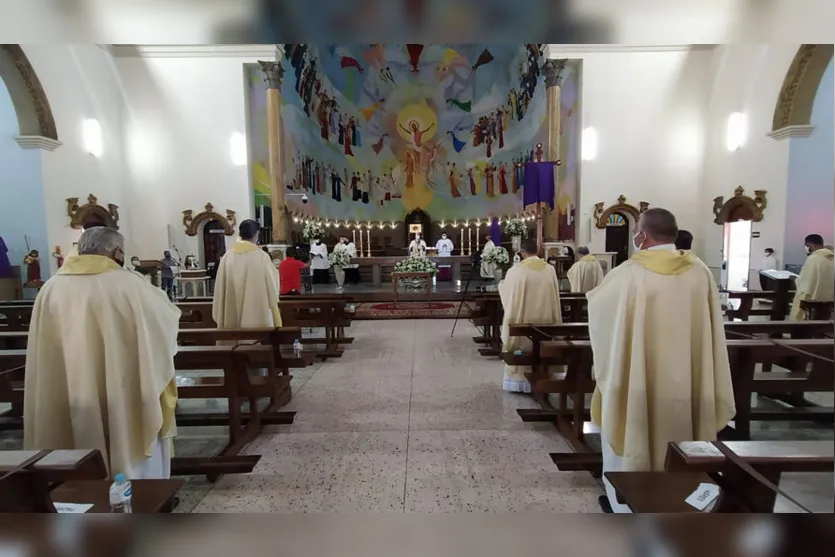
{"x": 469, "y": 241}
{"x": 368, "y": 248}
{"x": 463, "y": 245}
{"x": 354, "y": 234}
{"x": 476, "y": 236}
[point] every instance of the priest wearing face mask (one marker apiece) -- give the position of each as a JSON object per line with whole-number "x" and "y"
{"x": 817, "y": 277}
{"x": 319, "y": 263}
{"x": 100, "y": 362}
{"x": 660, "y": 358}
{"x": 444, "y": 247}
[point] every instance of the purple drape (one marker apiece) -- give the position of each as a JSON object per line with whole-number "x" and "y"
{"x": 496, "y": 231}
{"x": 539, "y": 183}
{"x": 5, "y": 266}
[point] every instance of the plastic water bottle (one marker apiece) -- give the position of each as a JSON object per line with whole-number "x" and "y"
{"x": 297, "y": 348}
{"x": 121, "y": 494}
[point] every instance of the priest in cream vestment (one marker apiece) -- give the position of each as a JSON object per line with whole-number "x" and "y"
{"x": 246, "y": 288}
{"x": 100, "y": 362}
{"x": 660, "y": 358}
{"x": 530, "y": 293}
{"x": 817, "y": 277}
{"x": 586, "y": 273}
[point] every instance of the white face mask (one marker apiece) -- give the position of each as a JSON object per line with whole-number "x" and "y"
{"x": 808, "y": 251}
{"x": 638, "y": 247}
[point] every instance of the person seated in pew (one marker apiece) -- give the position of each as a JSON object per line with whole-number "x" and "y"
{"x": 586, "y": 273}
{"x": 660, "y": 358}
{"x": 530, "y": 293}
{"x": 817, "y": 277}
{"x": 290, "y": 273}
{"x": 246, "y": 289}
{"x": 100, "y": 362}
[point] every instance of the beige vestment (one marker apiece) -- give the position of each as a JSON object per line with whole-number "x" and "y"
{"x": 530, "y": 293}
{"x": 488, "y": 269}
{"x": 585, "y": 274}
{"x": 99, "y": 366}
{"x": 246, "y": 289}
{"x": 660, "y": 358}
{"x": 816, "y": 281}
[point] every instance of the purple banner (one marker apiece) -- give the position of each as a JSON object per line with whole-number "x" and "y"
{"x": 539, "y": 183}
{"x": 5, "y": 265}
{"x": 496, "y": 231}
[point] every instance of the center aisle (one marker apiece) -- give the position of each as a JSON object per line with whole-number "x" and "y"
{"x": 407, "y": 420}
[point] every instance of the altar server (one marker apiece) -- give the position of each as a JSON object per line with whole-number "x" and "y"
{"x": 660, "y": 359}
{"x": 444, "y": 247}
{"x": 817, "y": 277}
{"x": 247, "y": 284}
{"x": 586, "y": 273}
{"x": 488, "y": 270}
{"x": 352, "y": 272}
{"x": 530, "y": 293}
{"x": 100, "y": 362}
{"x": 319, "y": 263}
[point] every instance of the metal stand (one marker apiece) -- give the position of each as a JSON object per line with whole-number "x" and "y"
{"x": 475, "y": 267}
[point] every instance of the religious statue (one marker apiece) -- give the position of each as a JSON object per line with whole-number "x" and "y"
{"x": 59, "y": 257}
{"x": 33, "y": 267}
{"x": 417, "y": 247}
{"x": 191, "y": 263}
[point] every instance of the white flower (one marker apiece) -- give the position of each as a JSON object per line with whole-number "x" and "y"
{"x": 415, "y": 265}
{"x": 498, "y": 256}
{"x": 339, "y": 258}
{"x": 313, "y": 230}
{"x": 515, "y": 227}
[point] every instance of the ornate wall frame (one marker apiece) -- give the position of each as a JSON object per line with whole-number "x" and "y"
{"x": 722, "y": 210}
{"x": 79, "y": 214}
{"x": 192, "y": 222}
{"x": 794, "y": 104}
{"x": 601, "y": 215}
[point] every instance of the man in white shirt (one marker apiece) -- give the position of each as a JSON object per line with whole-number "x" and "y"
{"x": 319, "y": 263}
{"x": 444, "y": 247}
{"x": 352, "y": 272}
{"x": 768, "y": 263}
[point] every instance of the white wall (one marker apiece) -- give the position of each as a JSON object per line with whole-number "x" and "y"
{"x": 80, "y": 83}
{"x": 746, "y": 78}
{"x": 648, "y": 107}
{"x": 181, "y": 111}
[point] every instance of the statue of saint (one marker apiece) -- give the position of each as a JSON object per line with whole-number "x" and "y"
{"x": 33, "y": 267}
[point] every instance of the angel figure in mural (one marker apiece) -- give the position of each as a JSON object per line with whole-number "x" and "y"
{"x": 502, "y": 178}
{"x": 453, "y": 180}
{"x": 416, "y": 133}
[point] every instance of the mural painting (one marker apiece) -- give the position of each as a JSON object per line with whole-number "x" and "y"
{"x": 371, "y": 132}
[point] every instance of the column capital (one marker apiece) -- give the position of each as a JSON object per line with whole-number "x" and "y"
{"x": 273, "y": 73}
{"x": 552, "y": 69}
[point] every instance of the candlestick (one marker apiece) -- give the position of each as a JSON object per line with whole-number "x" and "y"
{"x": 463, "y": 245}
{"x": 469, "y": 241}
{"x": 354, "y": 234}
{"x": 368, "y": 244}
{"x": 476, "y": 236}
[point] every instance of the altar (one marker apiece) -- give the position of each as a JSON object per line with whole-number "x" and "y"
{"x": 377, "y": 270}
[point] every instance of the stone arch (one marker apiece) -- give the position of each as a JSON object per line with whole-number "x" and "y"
{"x": 601, "y": 215}
{"x": 794, "y": 104}
{"x": 192, "y": 222}
{"x": 34, "y": 114}
{"x": 740, "y": 207}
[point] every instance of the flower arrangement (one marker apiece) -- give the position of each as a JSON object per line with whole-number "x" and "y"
{"x": 415, "y": 265}
{"x": 313, "y": 230}
{"x": 515, "y": 227}
{"x": 339, "y": 258}
{"x": 497, "y": 256}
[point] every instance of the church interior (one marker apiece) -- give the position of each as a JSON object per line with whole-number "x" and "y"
{"x": 405, "y": 177}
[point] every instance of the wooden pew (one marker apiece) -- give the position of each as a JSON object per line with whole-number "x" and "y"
{"x": 577, "y": 382}
{"x": 690, "y": 463}
{"x": 780, "y": 304}
{"x": 15, "y": 317}
{"x": 331, "y": 315}
{"x": 489, "y": 313}
{"x": 236, "y": 386}
{"x": 42, "y": 478}
{"x": 817, "y": 310}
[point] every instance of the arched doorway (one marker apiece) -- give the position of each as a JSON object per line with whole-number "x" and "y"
{"x": 214, "y": 243}
{"x": 617, "y": 236}
{"x": 737, "y": 216}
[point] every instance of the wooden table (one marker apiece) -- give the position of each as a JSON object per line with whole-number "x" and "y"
{"x": 397, "y": 276}
{"x": 149, "y": 496}
{"x": 380, "y": 265}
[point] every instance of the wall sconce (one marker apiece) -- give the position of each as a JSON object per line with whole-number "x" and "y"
{"x": 237, "y": 149}
{"x": 737, "y": 131}
{"x": 91, "y": 133}
{"x": 588, "y": 146}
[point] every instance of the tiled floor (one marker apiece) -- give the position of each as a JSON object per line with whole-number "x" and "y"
{"x": 410, "y": 420}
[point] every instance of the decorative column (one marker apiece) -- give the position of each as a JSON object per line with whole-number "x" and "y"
{"x": 556, "y": 225}
{"x": 273, "y": 76}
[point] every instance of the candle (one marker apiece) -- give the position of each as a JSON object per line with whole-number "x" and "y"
{"x": 354, "y": 234}
{"x": 368, "y": 248}
{"x": 469, "y": 241}
{"x": 476, "y": 236}
{"x": 463, "y": 252}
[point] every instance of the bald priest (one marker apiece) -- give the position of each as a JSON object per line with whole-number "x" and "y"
{"x": 100, "y": 362}
{"x": 246, "y": 288}
{"x": 586, "y": 273}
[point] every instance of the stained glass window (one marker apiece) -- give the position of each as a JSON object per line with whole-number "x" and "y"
{"x": 616, "y": 219}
